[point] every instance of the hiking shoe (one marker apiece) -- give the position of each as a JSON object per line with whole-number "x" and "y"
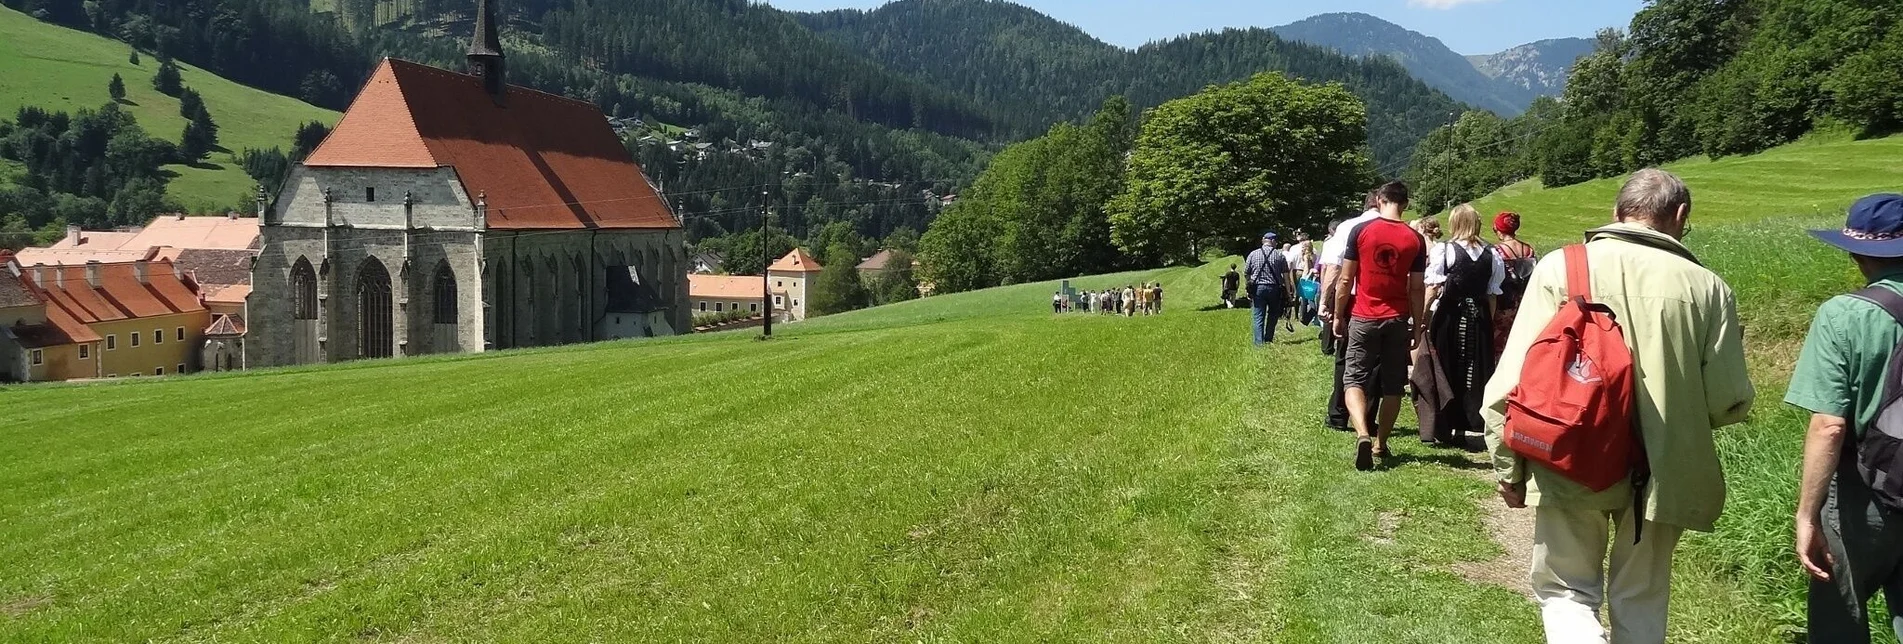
{"x": 1364, "y": 455}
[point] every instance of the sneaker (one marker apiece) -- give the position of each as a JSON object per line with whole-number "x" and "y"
{"x": 1364, "y": 455}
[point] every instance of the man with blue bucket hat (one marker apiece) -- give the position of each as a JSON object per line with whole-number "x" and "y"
{"x": 1271, "y": 284}
{"x": 1850, "y": 503}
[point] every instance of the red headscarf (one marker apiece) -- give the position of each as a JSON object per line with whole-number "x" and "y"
{"x": 1506, "y": 223}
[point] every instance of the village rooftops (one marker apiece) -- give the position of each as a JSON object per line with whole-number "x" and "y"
{"x": 171, "y": 232}
{"x": 726, "y": 287}
{"x": 877, "y": 262}
{"x": 795, "y": 262}
{"x": 108, "y": 292}
{"x": 536, "y": 160}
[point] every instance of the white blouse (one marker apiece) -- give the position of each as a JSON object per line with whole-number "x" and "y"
{"x": 1442, "y": 257}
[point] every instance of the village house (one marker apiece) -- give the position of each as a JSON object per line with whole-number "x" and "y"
{"x": 214, "y": 253}
{"x": 98, "y": 320}
{"x": 792, "y": 276}
{"x": 453, "y": 212}
{"x": 726, "y": 293}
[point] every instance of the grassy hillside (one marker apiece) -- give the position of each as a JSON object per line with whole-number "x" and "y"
{"x": 62, "y": 69}
{"x": 961, "y": 468}
{"x": 1806, "y": 179}
{"x": 1748, "y": 220}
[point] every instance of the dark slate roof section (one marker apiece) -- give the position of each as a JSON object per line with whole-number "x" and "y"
{"x": 212, "y": 267}
{"x": 14, "y": 291}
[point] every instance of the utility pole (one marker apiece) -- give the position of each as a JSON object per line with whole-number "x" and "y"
{"x": 766, "y": 262}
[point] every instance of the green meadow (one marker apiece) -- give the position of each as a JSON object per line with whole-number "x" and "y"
{"x": 966, "y": 467}
{"x": 61, "y": 69}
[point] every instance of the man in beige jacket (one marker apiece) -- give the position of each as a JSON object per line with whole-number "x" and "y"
{"x": 1681, "y": 323}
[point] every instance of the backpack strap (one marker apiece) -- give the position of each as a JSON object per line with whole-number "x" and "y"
{"x": 1578, "y": 273}
{"x": 1884, "y": 298}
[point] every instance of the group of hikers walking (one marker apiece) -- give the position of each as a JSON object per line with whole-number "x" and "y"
{"x": 1131, "y": 300}
{"x": 1596, "y": 376}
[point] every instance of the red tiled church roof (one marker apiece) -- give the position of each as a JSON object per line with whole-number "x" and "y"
{"x": 539, "y": 160}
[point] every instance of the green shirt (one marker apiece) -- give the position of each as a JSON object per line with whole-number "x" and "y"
{"x": 1840, "y": 372}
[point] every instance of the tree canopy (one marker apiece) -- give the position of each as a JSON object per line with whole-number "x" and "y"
{"x": 1215, "y": 169}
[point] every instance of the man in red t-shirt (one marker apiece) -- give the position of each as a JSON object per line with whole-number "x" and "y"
{"x": 1381, "y": 288}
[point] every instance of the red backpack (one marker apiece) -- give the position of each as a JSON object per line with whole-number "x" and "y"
{"x": 1574, "y": 410}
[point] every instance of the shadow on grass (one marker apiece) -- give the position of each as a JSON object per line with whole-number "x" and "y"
{"x": 126, "y": 101}
{"x": 1450, "y": 460}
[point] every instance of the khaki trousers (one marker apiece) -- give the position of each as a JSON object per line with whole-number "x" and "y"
{"x": 1571, "y": 580}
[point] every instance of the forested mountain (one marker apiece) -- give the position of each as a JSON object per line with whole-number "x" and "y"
{"x": 1047, "y": 70}
{"x": 1539, "y": 67}
{"x": 867, "y": 142}
{"x": 1359, "y": 34}
{"x": 1687, "y": 77}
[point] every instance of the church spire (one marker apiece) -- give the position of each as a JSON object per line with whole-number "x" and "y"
{"x": 485, "y": 50}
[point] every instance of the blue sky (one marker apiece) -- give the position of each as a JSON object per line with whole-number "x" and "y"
{"x": 1467, "y": 26}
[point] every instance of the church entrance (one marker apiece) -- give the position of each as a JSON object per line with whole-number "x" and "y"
{"x": 304, "y": 348}
{"x": 375, "y": 338}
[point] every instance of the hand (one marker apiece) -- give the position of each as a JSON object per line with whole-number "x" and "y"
{"x": 1514, "y": 494}
{"x": 1341, "y": 327}
{"x": 1812, "y": 552}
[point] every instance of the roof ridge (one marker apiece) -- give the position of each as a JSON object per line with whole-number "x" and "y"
{"x": 513, "y": 88}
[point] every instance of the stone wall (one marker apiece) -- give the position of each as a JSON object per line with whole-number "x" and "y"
{"x": 512, "y": 288}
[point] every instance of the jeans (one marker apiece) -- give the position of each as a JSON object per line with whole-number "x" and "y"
{"x": 1267, "y": 301}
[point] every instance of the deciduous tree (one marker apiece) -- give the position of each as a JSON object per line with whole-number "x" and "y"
{"x": 1217, "y": 168}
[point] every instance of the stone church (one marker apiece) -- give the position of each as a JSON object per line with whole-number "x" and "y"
{"x": 452, "y": 212}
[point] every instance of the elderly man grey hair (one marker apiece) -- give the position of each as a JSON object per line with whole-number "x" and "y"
{"x": 1657, "y": 199}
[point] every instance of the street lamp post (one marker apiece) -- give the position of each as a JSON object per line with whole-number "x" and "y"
{"x": 766, "y": 262}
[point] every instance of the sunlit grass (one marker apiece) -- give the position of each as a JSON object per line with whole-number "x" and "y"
{"x": 62, "y": 69}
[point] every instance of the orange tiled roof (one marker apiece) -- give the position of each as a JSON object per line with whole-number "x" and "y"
{"x": 95, "y": 240}
{"x": 227, "y": 233}
{"x": 227, "y": 293}
{"x": 71, "y": 256}
{"x": 165, "y": 238}
{"x": 119, "y": 296}
{"x": 796, "y": 262}
{"x": 539, "y": 160}
{"x": 725, "y": 287}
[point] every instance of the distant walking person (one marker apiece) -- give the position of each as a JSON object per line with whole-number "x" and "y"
{"x": 1849, "y": 532}
{"x": 1381, "y": 309}
{"x": 1463, "y": 278}
{"x": 1680, "y": 321}
{"x": 1156, "y": 296}
{"x": 1230, "y": 282}
{"x": 1518, "y": 257}
{"x": 1129, "y": 301}
{"x": 1057, "y": 302}
{"x": 1270, "y": 284}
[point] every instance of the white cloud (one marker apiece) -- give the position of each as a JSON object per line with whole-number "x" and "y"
{"x": 1442, "y": 4}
